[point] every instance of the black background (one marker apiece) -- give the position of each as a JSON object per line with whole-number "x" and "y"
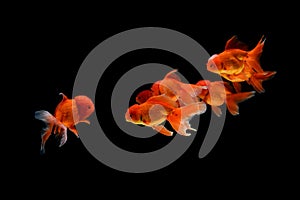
{"x": 255, "y": 152}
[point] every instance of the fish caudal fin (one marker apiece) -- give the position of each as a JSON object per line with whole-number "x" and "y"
{"x": 50, "y": 122}
{"x": 257, "y": 79}
{"x": 254, "y": 55}
{"x": 179, "y": 118}
{"x": 232, "y": 101}
{"x": 216, "y": 110}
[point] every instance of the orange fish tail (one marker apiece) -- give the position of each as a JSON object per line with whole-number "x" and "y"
{"x": 258, "y": 49}
{"x": 50, "y": 122}
{"x": 232, "y": 101}
{"x": 254, "y": 55}
{"x": 257, "y": 79}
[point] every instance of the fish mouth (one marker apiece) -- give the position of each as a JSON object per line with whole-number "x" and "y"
{"x": 127, "y": 117}
{"x": 211, "y": 65}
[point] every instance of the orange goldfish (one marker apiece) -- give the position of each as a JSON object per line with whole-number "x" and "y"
{"x": 157, "y": 109}
{"x": 171, "y": 85}
{"x": 68, "y": 113}
{"x": 219, "y": 92}
{"x": 237, "y": 64}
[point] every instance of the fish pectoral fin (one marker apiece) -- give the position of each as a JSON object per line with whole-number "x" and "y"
{"x": 233, "y": 100}
{"x": 179, "y": 117}
{"x": 161, "y": 129}
{"x": 74, "y": 130}
{"x": 85, "y": 121}
{"x": 63, "y": 138}
{"x": 172, "y": 75}
{"x": 216, "y": 110}
{"x": 237, "y": 86}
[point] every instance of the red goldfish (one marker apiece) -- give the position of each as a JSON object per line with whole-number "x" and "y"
{"x": 157, "y": 109}
{"x": 237, "y": 64}
{"x": 219, "y": 92}
{"x": 68, "y": 113}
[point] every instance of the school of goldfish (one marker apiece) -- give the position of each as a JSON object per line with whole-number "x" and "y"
{"x": 172, "y": 100}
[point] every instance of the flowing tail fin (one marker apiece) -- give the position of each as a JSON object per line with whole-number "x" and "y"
{"x": 232, "y": 101}
{"x": 254, "y": 55}
{"x": 50, "y": 122}
{"x": 179, "y": 118}
{"x": 257, "y": 79}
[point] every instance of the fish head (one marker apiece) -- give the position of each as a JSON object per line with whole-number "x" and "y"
{"x": 85, "y": 106}
{"x": 133, "y": 114}
{"x": 214, "y": 64}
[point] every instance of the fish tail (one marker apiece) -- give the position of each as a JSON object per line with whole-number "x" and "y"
{"x": 258, "y": 49}
{"x": 255, "y": 54}
{"x": 257, "y": 79}
{"x": 50, "y": 122}
{"x": 232, "y": 101}
{"x": 179, "y": 117}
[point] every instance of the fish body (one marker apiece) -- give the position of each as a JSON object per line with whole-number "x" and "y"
{"x": 67, "y": 114}
{"x": 238, "y": 64}
{"x": 158, "y": 109}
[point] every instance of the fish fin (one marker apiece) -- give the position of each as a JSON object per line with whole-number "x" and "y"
{"x": 155, "y": 88}
{"x": 228, "y": 86}
{"x": 85, "y": 121}
{"x": 257, "y": 79}
{"x": 172, "y": 75}
{"x": 232, "y": 101}
{"x": 161, "y": 129}
{"x": 216, "y": 110}
{"x": 237, "y": 86}
{"x": 50, "y": 122}
{"x": 143, "y": 96}
{"x": 254, "y": 64}
{"x": 179, "y": 117}
{"x": 265, "y": 75}
{"x": 44, "y": 136}
{"x": 235, "y": 43}
{"x": 64, "y": 96}
{"x": 63, "y": 138}
{"x": 74, "y": 130}
{"x": 45, "y": 116}
{"x": 188, "y": 94}
{"x": 254, "y": 55}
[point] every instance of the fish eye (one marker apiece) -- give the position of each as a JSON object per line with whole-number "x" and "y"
{"x": 89, "y": 107}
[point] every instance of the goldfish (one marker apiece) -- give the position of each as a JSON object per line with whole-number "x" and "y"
{"x": 238, "y": 64}
{"x": 220, "y": 92}
{"x": 67, "y": 114}
{"x": 172, "y": 86}
{"x": 158, "y": 109}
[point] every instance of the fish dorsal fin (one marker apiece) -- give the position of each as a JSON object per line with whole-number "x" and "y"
{"x": 64, "y": 96}
{"x": 163, "y": 99}
{"x": 172, "y": 75}
{"x": 235, "y": 43}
